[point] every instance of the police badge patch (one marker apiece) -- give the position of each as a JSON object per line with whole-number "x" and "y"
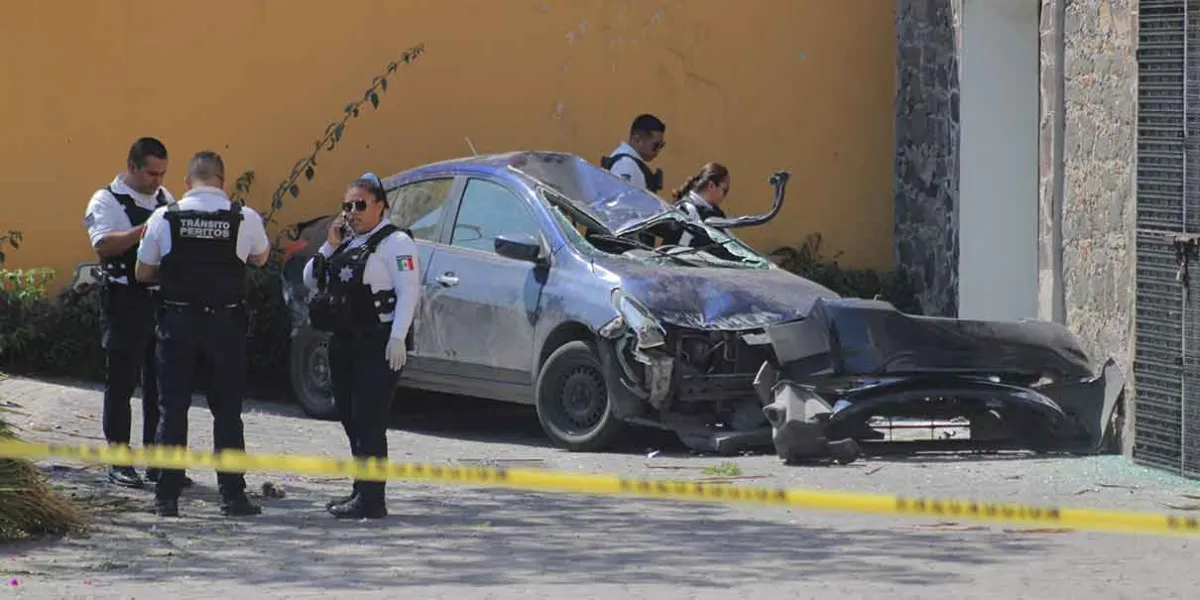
{"x": 404, "y": 262}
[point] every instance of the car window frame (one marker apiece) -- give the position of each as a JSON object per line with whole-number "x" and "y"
{"x": 450, "y": 203}
{"x": 460, "y": 198}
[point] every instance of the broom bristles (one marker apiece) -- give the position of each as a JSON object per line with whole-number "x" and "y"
{"x": 28, "y": 505}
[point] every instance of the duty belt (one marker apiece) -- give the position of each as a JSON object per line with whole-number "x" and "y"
{"x": 137, "y": 286}
{"x": 202, "y": 307}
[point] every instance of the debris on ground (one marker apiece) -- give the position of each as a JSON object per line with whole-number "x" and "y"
{"x": 1039, "y": 530}
{"x": 725, "y": 468}
{"x": 1117, "y": 486}
{"x": 950, "y": 526}
{"x": 501, "y": 463}
{"x": 270, "y": 490}
{"x": 1187, "y": 507}
{"x": 728, "y": 479}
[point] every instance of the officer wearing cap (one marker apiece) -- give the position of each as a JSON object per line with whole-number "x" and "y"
{"x": 115, "y": 218}
{"x": 366, "y": 280}
{"x": 197, "y": 251}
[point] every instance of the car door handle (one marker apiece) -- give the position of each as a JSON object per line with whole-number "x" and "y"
{"x": 447, "y": 280}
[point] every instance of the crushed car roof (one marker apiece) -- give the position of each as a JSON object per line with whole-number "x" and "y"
{"x": 610, "y": 200}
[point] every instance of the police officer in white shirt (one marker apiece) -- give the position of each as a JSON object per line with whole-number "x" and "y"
{"x": 197, "y": 251}
{"x": 630, "y": 159}
{"x": 115, "y": 217}
{"x": 367, "y": 285}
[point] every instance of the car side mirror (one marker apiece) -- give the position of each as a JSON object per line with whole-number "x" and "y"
{"x": 519, "y": 246}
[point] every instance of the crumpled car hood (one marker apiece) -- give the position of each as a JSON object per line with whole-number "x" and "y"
{"x": 716, "y": 298}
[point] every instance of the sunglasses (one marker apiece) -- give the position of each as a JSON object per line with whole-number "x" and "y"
{"x": 356, "y": 206}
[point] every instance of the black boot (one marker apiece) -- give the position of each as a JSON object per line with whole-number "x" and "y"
{"x": 152, "y": 474}
{"x": 236, "y": 504}
{"x": 166, "y": 507}
{"x": 344, "y": 499}
{"x": 359, "y": 508}
{"x": 125, "y": 477}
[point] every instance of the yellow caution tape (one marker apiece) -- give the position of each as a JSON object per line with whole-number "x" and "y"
{"x": 539, "y": 479}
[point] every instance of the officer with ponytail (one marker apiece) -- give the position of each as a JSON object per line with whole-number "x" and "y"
{"x": 701, "y": 196}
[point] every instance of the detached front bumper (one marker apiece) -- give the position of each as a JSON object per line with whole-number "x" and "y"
{"x": 851, "y": 360}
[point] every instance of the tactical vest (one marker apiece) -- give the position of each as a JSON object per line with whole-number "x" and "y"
{"x": 654, "y": 179}
{"x": 122, "y": 265}
{"x": 344, "y": 303}
{"x": 203, "y": 267}
{"x": 699, "y": 210}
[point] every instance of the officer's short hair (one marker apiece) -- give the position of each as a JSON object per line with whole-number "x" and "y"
{"x": 206, "y": 165}
{"x": 647, "y": 124}
{"x": 144, "y": 148}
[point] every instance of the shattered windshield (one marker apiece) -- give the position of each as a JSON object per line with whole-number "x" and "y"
{"x": 603, "y": 196}
{"x": 724, "y": 250}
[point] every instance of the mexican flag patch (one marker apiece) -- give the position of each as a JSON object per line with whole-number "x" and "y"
{"x": 405, "y": 262}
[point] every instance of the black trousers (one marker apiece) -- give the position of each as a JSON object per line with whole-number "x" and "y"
{"x": 364, "y": 385}
{"x": 127, "y": 316}
{"x": 186, "y": 336}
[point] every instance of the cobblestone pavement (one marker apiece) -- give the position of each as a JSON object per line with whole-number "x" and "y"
{"x": 451, "y": 542}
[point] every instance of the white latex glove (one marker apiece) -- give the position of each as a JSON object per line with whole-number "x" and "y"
{"x": 396, "y": 354}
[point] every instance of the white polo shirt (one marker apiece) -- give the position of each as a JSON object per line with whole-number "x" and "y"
{"x": 627, "y": 168}
{"x": 104, "y": 214}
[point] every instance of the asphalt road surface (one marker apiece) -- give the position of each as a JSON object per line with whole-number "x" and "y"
{"x": 454, "y": 542}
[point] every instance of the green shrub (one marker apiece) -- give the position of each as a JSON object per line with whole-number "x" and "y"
{"x": 43, "y": 335}
{"x": 807, "y": 261}
{"x": 59, "y": 335}
{"x": 270, "y": 325}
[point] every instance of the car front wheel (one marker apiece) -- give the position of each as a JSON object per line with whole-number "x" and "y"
{"x": 308, "y": 370}
{"x": 573, "y": 404}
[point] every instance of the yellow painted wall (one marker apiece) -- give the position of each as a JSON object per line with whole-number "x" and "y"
{"x": 761, "y": 85}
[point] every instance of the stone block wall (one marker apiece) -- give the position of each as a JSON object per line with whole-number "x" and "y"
{"x": 1098, "y": 173}
{"x": 927, "y": 134}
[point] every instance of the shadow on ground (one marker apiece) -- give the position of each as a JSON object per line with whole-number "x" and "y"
{"x": 444, "y": 416}
{"x": 458, "y": 536}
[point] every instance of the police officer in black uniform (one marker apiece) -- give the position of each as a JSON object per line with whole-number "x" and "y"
{"x": 197, "y": 250}
{"x": 115, "y": 218}
{"x": 367, "y": 285}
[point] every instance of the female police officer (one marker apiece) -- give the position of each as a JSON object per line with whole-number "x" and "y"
{"x": 365, "y": 276}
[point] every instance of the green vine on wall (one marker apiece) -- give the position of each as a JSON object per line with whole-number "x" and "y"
{"x": 11, "y": 239}
{"x": 306, "y": 167}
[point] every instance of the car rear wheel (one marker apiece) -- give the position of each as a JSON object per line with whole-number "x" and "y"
{"x": 309, "y": 375}
{"x": 573, "y": 405}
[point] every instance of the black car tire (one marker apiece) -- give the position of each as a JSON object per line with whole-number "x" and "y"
{"x": 573, "y": 374}
{"x": 308, "y": 373}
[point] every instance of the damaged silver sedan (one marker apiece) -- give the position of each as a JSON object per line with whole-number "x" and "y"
{"x": 544, "y": 284}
